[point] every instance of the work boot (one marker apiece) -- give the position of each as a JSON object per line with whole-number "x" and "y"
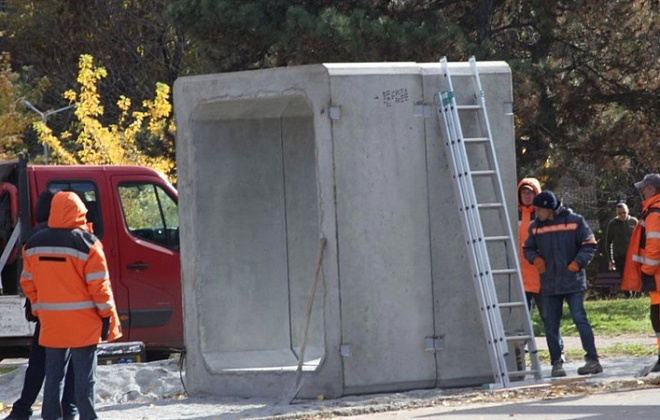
{"x": 656, "y": 367}
{"x": 590, "y": 368}
{"x": 558, "y": 369}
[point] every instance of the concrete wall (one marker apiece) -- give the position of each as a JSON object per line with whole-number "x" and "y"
{"x": 269, "y": 162}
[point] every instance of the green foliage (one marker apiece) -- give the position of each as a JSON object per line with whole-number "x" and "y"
{"x": 140, "y": 208}
{"x": 585, "y": 74}
{"x": 241, "y": 35}
{"x": 585, "y": 78}
{"x": 14, "y": 117}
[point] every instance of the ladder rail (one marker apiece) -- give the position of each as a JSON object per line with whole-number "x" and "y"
{"x": 493, "y": 158}
{"x": 491, "y": 316}
{"x": 500, "y": 189}
{"x": 470, "y": 203}
{"x": 477, "y": 242}
{"x": 484, "y": 301}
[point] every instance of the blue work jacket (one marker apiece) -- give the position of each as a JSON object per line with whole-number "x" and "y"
{"x": 560, "y": 241}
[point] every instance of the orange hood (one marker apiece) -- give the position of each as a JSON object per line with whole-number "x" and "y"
{"x": 532, "y": 182}
{"x": 67, "y": 211}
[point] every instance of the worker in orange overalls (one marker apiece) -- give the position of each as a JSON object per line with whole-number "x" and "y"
{"x": 527, "y": 189}
{"x": 65, "y": 277}
{"x": 643, "y": 258}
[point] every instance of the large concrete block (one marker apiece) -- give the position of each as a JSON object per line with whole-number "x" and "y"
{"x": 271, "y": 161}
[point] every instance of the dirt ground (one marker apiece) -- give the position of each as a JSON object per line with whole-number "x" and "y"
{"x": 155, "y": 391}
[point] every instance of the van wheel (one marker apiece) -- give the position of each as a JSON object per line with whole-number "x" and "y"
{"x": 154, "y": 355}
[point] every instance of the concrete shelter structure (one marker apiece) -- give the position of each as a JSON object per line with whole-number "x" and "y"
{"x": 269, "y": 162}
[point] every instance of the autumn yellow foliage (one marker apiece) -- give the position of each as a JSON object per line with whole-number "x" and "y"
{"x": 116, "y": 144}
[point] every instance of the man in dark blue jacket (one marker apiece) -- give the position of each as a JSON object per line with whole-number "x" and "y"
{"x": 561, "y": 245}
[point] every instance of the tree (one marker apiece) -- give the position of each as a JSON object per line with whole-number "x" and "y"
{"x": 585, "y": 73}
{"x": 133, "y": 40}
{"x": 122, "y": 143}
{"x": 249, "y": 34}
{"x": 13, "y": 118}
{"x": 585, "y": 94}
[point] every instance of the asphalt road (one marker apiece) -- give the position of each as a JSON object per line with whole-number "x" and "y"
{"x": 625, "y": 405}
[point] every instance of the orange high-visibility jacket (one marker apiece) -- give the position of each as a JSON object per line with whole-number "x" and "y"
{"x": 643, "y": 254}
{"x": 65, "y": 276}
{"x": 530, "y": 276}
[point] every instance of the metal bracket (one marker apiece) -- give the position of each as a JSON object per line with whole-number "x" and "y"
{"x": 335, "y": 112}
{"x": 346, "y": 350}
{"x": 423, "y": 111}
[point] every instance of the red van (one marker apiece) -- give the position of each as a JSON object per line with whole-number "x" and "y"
{"x": 133, "y": 211}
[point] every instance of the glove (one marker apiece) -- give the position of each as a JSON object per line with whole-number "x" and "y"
{"x": 573, "y": 267}
{"x": 648, "y": 283}
{"x": 539, "y": 263}
{"x": 105, "y": 328}
{"x": 29, "y": 316}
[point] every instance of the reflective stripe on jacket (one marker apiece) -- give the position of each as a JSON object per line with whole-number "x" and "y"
{"x": 643, "y": 255}
{"x": 530, "y": 276}
{"x": 65, "y": 277}
{"x": 559, "y": 242}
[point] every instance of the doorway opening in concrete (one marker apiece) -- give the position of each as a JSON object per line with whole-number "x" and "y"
{"x": 258, "y": 232}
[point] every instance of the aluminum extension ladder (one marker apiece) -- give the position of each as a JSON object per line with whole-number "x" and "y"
{"x": 493, "y": 255}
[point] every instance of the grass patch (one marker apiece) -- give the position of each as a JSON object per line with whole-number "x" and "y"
{"x": 617, "y": 350}
{"x": 610, "y": 317}
{"x": 4, "y": 370}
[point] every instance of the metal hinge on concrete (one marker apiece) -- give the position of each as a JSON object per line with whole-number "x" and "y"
{"x": 335, "y": 112}
{"x": 434, "y": 343}
{"x": 346, "y": 350}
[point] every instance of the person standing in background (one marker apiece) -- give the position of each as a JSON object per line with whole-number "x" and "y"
{"x": 617, "y": 237}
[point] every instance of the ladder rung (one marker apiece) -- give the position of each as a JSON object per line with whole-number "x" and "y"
{"x": 487, "y": 172}
{"x": 511, "y": 304}
{"x": 504, "y": 271}
{"x": 519, "y": 373}
{"x": 496, "y": 238}
{"x": 468, "y": 107}
{"x": 475, "y": 139}
{"x": 490, "y": 205}
{"x": 518, "y": 337}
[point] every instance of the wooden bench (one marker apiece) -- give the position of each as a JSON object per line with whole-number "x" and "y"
{"x": 607, "y": 281}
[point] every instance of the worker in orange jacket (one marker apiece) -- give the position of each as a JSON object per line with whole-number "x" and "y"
{"x": 643, "y": 257}
{"x": 527, "y": 189}
{"x": 65, "y": 277}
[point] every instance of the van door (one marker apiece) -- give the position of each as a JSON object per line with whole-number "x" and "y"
{"x": 148, "y": 246}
